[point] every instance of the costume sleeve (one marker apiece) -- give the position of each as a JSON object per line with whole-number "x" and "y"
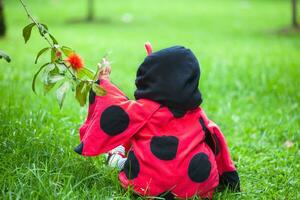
{"x": 114, "y": 92}
{"x": 216, "y": 140}
{"x": 112, "y": 120}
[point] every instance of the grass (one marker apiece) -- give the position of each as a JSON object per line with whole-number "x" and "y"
{"x": 250, "y": 83}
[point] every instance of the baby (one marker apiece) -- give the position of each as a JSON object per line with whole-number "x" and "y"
{"x": 169, "y": 148}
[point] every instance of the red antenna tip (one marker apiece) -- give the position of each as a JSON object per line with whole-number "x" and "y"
{"x": 148, "y": 47}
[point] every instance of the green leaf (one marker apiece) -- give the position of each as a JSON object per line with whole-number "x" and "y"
{"x": 48, "y": 87}
{"x": 35, "y": 76}
{"x": 51, "y": 68}
{"x": 98, "y": 89}
{"x": 27, "y": 31}
{"x": 61, "y": 93}
{"x": 53, "y": 55}
{"x": 45, "y": 26}
{"x": 49, "y": 71}
{"x": 51, "y": 77}
{"x": 73, "y": 85}
{"x": 43, "y": 29}
{"x": 53, "y": 39}
{"x": 85, "y": 72}
{"x": 4, "y": 56}
{"x": 82, "y": 90}
{"x": 61, "y": 67}
{"x": 44, "y": 50}
{"x": 67, "y": 50}
{"x": 55, "y": 78}
{"x": 46, "y": 72}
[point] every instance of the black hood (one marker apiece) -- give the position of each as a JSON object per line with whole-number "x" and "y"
{"x": 170, "y": 77}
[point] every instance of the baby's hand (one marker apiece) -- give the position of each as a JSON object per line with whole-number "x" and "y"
{"x": 105, "y": 69}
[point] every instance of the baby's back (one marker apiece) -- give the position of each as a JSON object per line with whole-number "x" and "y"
{"x": 169, "y": 154}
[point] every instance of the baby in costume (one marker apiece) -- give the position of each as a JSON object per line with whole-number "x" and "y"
{"x": 172, "y": 149}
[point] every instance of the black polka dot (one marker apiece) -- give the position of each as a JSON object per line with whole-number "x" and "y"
{"x": 79, "y": 148}
{"x": 114, "y": 120}
{"x": 199, "y": 168}
{"x": 92, "y": 94}
{"x": 210, "y": 139}
{"x": 164, "y": 147}
{"x": 217, "y": 144}
{"x": 131, "y": 166}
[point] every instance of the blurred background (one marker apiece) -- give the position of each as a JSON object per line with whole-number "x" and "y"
{"x": 249, "y": 52}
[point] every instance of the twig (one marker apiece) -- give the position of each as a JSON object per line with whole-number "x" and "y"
{"x": 36, "y": 23}
{"x": 73, "y": 75}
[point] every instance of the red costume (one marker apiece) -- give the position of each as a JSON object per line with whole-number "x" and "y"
{"x": 176, "y": 150}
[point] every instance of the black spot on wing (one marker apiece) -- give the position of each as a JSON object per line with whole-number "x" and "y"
{"x": 164, "y": 147}
{"x": 210, "y": 139}
{"x": 114, "y": 120}
{"x": 199, "y": 168}
{"x": 217, "y": 144}
{"x": 131, "y": 166}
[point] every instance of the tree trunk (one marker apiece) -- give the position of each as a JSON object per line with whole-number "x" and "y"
{"x": 2, "y": 22}
{"x": 90, "y": 14}
{"x": 294, "y": 14}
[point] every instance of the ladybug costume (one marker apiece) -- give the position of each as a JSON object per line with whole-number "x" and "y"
{"x": 176, "y": 151}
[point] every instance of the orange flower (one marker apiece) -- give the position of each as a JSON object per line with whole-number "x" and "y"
{"x": 75, "y": 61}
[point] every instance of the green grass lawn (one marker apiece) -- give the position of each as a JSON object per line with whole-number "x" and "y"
{"x": 250, "y": 80}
